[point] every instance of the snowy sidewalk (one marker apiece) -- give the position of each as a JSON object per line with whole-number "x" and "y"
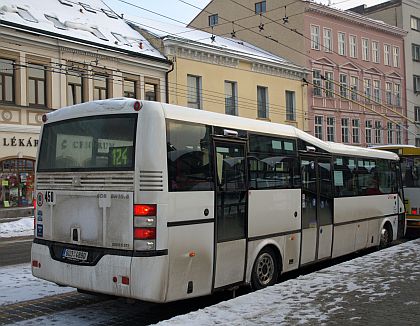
{"x": 380, "y": 288}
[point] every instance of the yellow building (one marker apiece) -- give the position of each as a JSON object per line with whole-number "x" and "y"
{"x": 227, "y": 75}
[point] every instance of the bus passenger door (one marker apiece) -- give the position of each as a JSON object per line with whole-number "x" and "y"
{"x": 317, "y": 209}
{"x": 309, "y": 210}
{"x": 231, "y": 215}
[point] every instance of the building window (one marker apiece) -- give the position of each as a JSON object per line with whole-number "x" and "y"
{"x": 378, "y": 132}
{"x": 388, "y": 93}
{"x": 367, "y": 89}
{"x": 387, "y": 55}
{"x": 343, "y": 85}
{"x": 330, "y": 129}
{"x": 231, "y": 106}
{"x": 327, "y": 40}
{"x": 398, "y": 134}
{"x": 377, "y": 90}
{"x": 36, "y": 85}
{"x": 260, "y": 7}
{"x": 194, "y": 91}
{"x": 74, "y": 87}
{"x": 262, "y": 98}
{"x": 7, "y": 73}
{"x": 415, "y": 23}
{"x": 25, "y": 14}
{"x": 100, "y": 86}
{"x": 356, "y": 130}
{"x": 57, "y": 23}
{"x": 397, "y": 94}
{"x": 290, "y": 106}
{"x": 368, "y": 132}
{"x": 130, "y": 88}
{"x": 314, "y": 37}
{"x": 151, "y": 92}
{"x": 341, "y": 43}
{"x": 329, "y": 84}
{"x": 344, "y": 130}
{"x": 396, "y": 56}
{"x": 365, "y": 49}
{"x": 417, "y": 114}
{"x": 416, "y": 52}
{"x": 318, "y": 126}
{"x": 375, "y": 52}
{"x": 316, "y": 80}
{"x": 416, "y": 83}
{"x": 213, "y": 20}
{"x": 353, "y": 46}
{"x": 17, "y": 183}
{"x": 390, "y": 132}
{"x": 354, "y": 87}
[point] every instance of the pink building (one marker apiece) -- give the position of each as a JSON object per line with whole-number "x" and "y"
{"x": 357, "y": 94}
{"x": 356, "y": 63}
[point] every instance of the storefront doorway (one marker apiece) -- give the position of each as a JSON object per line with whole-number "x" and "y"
{"x": 17, "y": 182}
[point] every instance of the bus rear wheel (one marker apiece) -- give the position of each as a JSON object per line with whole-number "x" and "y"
{"x": 385, "y": 237}
{"x": 265, "y": 271}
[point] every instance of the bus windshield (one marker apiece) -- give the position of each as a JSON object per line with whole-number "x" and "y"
{"x": 410, "y": 168}
{"x": 97, "y": 143}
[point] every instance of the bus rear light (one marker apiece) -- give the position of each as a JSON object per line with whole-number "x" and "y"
{"x": 137, "y": 106}
{"x": 125, "y": 280}
{"x": 144, "y": 221}
{"x": 414, "y": 211}
{"x": 144, "y": 233}
{"x": 145, "y": 210}
{"x": 36, "y": 264}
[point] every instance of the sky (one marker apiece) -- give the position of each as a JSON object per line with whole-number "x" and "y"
{"x": 178, "y": 11}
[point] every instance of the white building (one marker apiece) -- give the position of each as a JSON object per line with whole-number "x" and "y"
{"x": 55, "y": 53}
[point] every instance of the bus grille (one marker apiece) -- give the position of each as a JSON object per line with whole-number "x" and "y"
{"x": 104, "y": 181}
{"x": 151, "y": 181}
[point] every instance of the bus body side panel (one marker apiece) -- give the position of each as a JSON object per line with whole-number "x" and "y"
{"x": 271, "y": 214}
{"x": 190, "y": 244}
{"x": 368, "y": 214}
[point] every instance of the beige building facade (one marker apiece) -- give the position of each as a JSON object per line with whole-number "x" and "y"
{"x": 230, "y": 76}
{"x": 43, "y": 69}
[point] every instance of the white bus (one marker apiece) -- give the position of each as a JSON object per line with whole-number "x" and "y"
{"x": 158, "y": 202}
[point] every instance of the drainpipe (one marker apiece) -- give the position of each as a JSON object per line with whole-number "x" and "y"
{"x": 167, "y": 80}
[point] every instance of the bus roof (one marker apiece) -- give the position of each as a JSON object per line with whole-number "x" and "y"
{"x": 125, "y": 105}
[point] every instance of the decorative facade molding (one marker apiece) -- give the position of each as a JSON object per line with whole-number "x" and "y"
{"x": 277, "y": 71}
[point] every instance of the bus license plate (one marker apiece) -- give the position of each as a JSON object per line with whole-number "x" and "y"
{"x": 75, "y": 254}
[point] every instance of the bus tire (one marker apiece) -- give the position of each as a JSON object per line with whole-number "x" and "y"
{"x": 265, "y": 271}
{"x": 385, "y": 238}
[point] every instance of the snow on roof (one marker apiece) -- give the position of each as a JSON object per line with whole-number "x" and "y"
{"x": 89, "y": 21}
{"x": 233, "y": 46}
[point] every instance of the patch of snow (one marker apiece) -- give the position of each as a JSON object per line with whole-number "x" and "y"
{"x": 17, "y": 284}
{"x": 22, "y": 227}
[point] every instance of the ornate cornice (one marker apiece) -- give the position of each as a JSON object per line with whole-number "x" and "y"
{"x": 354, "y": 18}
{"x": 277, "y": 71}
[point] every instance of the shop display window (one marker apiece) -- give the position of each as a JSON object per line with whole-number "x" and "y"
{"x": 17, "y": 183}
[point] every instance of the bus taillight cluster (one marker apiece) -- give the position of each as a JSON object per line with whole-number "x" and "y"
{"x": 144, "y": 232}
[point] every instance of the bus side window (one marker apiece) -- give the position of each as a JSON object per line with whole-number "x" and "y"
{"x": 188, "y": 157}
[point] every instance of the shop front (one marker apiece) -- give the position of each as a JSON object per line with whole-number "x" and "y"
{"x": 17, "y": 171}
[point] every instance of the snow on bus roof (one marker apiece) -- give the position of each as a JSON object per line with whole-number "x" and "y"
{"x": 120, "y": 105}
{"x": 88, "y": 21}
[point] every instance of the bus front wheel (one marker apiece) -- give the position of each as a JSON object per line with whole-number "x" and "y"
{"x": 265, "y": 271}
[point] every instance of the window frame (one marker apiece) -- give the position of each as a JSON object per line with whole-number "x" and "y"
{"x": 260, "y": 7}
{"x": 232, "y": 107}
{"x": 3, "y": 83}
{"x": 315, "y": 37}
{"x": 341, "y": 43}
{"x": 328, "y": 43}
{"x": 319, "y": 126}
{"x": 213, "y": 20}
{"x": 262, "y": 106}
{"x": 352, "y": 46}
{"x": 331, "y": 129}
{"x": 376, "y": 53}
{"x": 37, "y": 81}
{"x": 345, "y": 134}
{"x": 365, "y": 49}
{"x": 290, "y": 97}
{"x": 196, "y": 102}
